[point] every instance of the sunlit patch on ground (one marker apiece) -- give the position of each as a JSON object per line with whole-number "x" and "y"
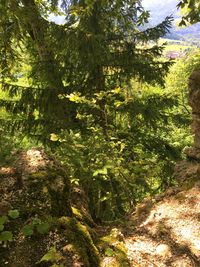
{"x": 170, "y": 234}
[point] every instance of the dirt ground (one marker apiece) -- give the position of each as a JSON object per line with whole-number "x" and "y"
{"x": 168, "y": 233}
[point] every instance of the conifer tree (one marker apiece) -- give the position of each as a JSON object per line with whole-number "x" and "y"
{"x": 101, "y": 46}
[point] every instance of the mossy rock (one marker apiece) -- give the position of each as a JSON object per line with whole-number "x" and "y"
{"x": 73, "y": 241}
{"x": 39, "y": 175}
{"x": 83, "y": 216}
{"x": 113, "y": 246}
{"x": 80, "y": 238}
{"x": 51, "y": 186}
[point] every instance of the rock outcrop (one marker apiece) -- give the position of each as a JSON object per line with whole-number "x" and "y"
{"x": 48, "y": 230}
{"x": 194, "y": 101}
{"x": 190, "y": 168}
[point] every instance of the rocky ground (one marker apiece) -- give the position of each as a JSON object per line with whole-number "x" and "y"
{"x": 169, "y": 234}
{"x": 163, "y": 231}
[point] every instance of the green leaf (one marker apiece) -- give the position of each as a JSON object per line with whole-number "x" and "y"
{"x": 54, "y": 137}
{"x": 52, "y": 255}
{"x": 3, "y": 219}
{"x": 27, "y": 230}
{"x": 36, "y": 221}
{"x": 6, "y": 236}
{"x": 1, "y": 227}
{"x": 109, "y": 252}
{"x": 101, "y": 171}
{"x": 14, "y": 214}
{"x": 43, "y": 228}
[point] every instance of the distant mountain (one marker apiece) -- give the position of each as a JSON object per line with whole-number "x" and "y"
{"x": 160, "y": 9}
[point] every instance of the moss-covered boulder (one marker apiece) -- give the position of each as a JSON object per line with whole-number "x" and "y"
{"x": 44, "y": 184}
{"x": 47, "y": 230}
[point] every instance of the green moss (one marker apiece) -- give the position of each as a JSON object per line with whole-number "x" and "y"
{"x": 82, "y": 216}
{"x": 80, "y": 238}
{"x": 112, "y": 242}
{"x": 40, "y": 175}
{"x": 77, "y": 214}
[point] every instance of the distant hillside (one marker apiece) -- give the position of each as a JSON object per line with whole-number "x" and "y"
{"x": 160, "y": 9}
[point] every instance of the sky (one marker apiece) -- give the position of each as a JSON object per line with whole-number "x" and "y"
{"x": 57, "y": 19}
{"x": 147, "y": 4}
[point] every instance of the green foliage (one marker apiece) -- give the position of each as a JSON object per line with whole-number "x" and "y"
{"x": 1, "y": 227}
{"x": 14, "y": 214}
{"x": 177, "y": 81}
{"x": 95, "y": 98}
{"x": 101, "y": 49}
{"x": 5, "y": 235}
{"x": 178, "y": 77}
{"x": 137, "y": 155}
{"x": 36, "y": 225}
{"x": 109, "y": 252}
{"x": 52, "y": 256}
{"x": 43, "y": 228}
{"x": 27, "y": 230}
{"x": 191, "y": 10}
{"x": 103, "y": 135}
{"x": 3, "y": 219}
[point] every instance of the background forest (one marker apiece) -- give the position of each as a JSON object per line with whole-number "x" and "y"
{"x": 97, "y": 92}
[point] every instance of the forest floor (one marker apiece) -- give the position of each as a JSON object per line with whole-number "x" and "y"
{"x": 164, "y": 233}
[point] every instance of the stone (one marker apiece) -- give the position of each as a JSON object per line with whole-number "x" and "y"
{"x": 163, "y": 250}
{"x": 194, "y": 102}
{"x": 192, "y": 153}
{"x": 190, "y": 168}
